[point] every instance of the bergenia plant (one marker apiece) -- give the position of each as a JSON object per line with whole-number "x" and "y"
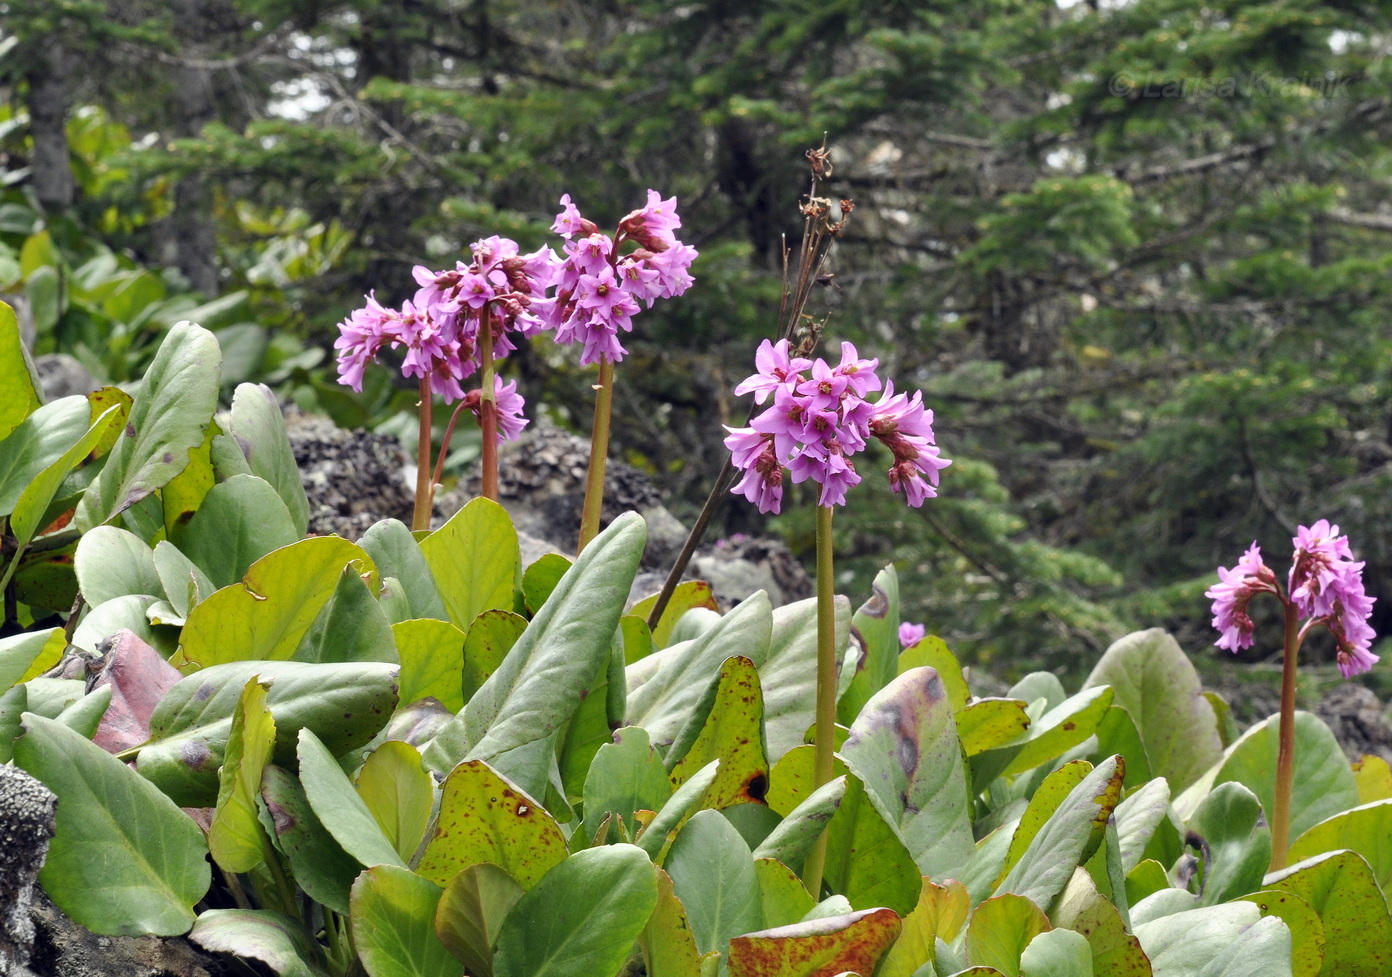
{"x": 599, "y": 287}
{"x": 1324, "y": 588}
{"x": 819, "y": 418}
{"x": 460, "y": 321}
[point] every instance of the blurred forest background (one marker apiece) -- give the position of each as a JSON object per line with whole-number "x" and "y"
{"x": 1136, "y": 254}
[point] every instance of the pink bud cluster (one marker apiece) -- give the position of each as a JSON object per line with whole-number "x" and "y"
{"x": 819, "y": 418}
{"x": 598, "y": 285}
{"x": 1325, "y": 585}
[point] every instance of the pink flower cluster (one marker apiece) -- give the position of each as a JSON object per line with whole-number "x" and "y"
{"x": 820, "y": 418}
{"x": 1325, "y": 585}
{"x": 598, "y": 286}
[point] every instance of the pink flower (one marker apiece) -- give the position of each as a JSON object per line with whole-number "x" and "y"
{"x": 773, "y": 368}
{"x": 1230, "y": 597}
{"x": 910, "y": 634}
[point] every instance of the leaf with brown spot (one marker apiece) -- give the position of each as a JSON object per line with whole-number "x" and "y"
{"x": 727, "y": 725}
{"x": 1115, "y": 952}
{"x": 904, "y": 745}
{"x": 821, "y": 948}
{"x": 877, "y": 624}
{"x": 988, "y": 723}
{"x": 486, "y": 818}
{"x": 1342, "y": 889}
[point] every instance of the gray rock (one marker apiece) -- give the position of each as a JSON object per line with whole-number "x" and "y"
{"x": 26, "y": 827}
{"x": 352, "y": 478}
{"x": 1358, "y": 719}
{"x": 63, "y": 376}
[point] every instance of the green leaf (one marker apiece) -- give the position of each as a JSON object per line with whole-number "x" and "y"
{"x": 536, "y": 689}
{"x": 19, "y": 389}
{"x": 686, "y": 595}
{"x": 486, "y": 818}
{"x": 432, "y": 661}
{"x": 685, "y": 801}
{"x": 184, "y": 584}
{"x": 488, "y": 642}
{"x": 540, "y": 580}
{"x": 1226, "y": 940}
{"x": 23, "y": 656}
{"x": 1069, "y": 837}
{"x": 1340, "y": 887}
{"x": 474, "y": 559}
{"x": 1366, "y": 829}
{"x": 990, "y": 723}
{"x": 85, "y": 715}
{"x": 116, "y": 834}
{"x": 471, "y": 912}
{"x": 1045, "y": 802}
{"x": 239, "y": 522}
{"x": 582, "y": 919}
{"x": 319, "y": 864}
{"x": 713, "y": 875}
{"x": 235, "y": 838}
{"x": 1307, "y": 933}
{"x": 400, "y": 794}
{"x": 788, "y": 672}
{"x": 397, "y": 554}
{"x": 278, "y": 941}
{"x": 940, "y": 915}
{"x": 350, "y": 627}
{"x": 267, "y": 615}
{"x": 663, "y": 704}
{"x": 867, "y": 860}
{"x": 167, "y": 420}
{"x": 668, "y": 946}
{"x": 345, "y": 706}
{"x": 1000, "y": 929}
{"x": 626, "y": 775}
{"x": 1236, "y": 843}
{"x": 1138, "y": 817}
{"x": 259, "y": 427}
{"x": 1057, "y": 953}
{"x": 181, "y": 497}
{"x": 726, "y": 725}
{"x": 801, "y": 827}
{"x": 113, "y": 563}
{"x": 932, "y": 652}
{"x": 1155, "y": 682}
{"x": 27, "y": 519}
{"x": 784, "y": 898}
{"x": 340, "y": 808}
{"x": 904, "y": 746}
{"x": 393, "y": 918}
{"x": 1115, "y": 952}
{"x": 1061, "y": 728}
{"x": 40, "y": 441}
{"x": 1323, "y": 784}
{"x": 877, "y": 624}
{"x": 1117, "y": 734}
{"x": 832, "y": 945}
{"x": 131, "y": 612}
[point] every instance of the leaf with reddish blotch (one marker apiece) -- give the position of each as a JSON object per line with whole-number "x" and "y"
{"x": 726, "y": 725}
{"x": 821, "y": 948}
{"x": 139, "y": 678}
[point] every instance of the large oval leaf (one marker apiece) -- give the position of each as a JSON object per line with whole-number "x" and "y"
{"x": 117, "y": 835}
{"x": 474, "y": 560}
{"x": 582, "y": 919}
{"x": 344, "y": 704}
{"x": 393, "y": 919}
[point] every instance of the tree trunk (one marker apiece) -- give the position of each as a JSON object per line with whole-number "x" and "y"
{"x": 51, "y": 168}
